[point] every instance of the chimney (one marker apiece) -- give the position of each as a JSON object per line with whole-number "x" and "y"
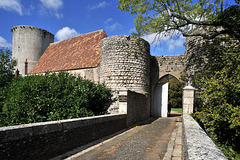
{"x": 26, "y": 67}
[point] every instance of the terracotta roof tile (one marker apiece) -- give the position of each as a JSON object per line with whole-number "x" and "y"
{"x": 78, "y": 52}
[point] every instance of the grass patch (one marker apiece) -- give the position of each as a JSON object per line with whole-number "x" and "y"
{"x": 179, "y": 110}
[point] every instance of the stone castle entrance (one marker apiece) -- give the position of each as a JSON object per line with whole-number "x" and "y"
{"x": 162, "y": 68}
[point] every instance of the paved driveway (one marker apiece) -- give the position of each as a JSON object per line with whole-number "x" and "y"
{"x": 148, "y": 141}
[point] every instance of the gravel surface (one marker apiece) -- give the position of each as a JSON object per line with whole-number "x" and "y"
{"x": 147, "y": 141}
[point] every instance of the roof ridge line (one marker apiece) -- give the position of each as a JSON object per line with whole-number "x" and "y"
{"x": 78, "y": 36}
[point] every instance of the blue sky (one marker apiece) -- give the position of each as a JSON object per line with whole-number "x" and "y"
{"x": 68, "y": 18}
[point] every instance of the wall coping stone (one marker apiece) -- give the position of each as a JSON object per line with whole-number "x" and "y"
{"x": 25, "y": 130}
{"x": 189, "y": 88}
{"x": 197, "y": 144}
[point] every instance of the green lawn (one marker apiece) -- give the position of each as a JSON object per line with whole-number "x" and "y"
{"x": 179, "y": 110}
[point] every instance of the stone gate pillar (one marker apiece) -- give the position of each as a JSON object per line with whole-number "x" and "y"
{"x": 188, "y": 99}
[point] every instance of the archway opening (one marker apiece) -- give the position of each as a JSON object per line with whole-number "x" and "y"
{"x": 175, "y": 93}
{"x": 167, "y": 99}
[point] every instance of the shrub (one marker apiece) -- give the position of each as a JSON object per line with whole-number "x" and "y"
{"x": 221, "y": 104}
{"x": 48, "y": 97}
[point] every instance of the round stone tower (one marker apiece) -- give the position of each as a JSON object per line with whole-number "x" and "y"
{"x": 125, "y": 63}
{"x": 29, "y": 43}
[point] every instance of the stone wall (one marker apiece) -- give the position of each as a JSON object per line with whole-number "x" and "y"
{"x": 125, "y": 63}
{"x": 197, "y": 144}
{"x": 88, "y": 73}
{"x": 164, "y": 65}
{"x": 195, "y": 60}
{"x": 138, "y": 107}
{"x": 201, "y": 53}
{"x": 172, "y": 64}
{"x": 29, "y": 43}
{"x": 49, "y": 139}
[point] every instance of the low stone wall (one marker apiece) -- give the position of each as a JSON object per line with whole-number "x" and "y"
{"x": 49, "y": 139}
{"x": 197, "y": 144}
{"x": 138, "y": 107}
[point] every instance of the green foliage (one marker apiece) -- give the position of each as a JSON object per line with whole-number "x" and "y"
{"x": 6, "y": 72}
{"x": 229, "y": 19}
{"x": 172, "y": 17}
{"x": 6, "y": 67}
{"x": 48, "y": 97}
{"x": 174, "y": 93}
{"x": 179, "y": 110}
{"x": 221, "y": 101}
{"x": 214, "y": 52}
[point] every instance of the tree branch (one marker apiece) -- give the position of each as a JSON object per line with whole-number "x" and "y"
{"x": 193, "y": 21}
{"x": 210, "y": 35}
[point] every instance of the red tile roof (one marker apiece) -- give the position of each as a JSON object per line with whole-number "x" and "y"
{"x": 82, "y": 51}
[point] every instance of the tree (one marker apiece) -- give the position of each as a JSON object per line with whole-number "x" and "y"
{"x": 173, "y": 17}
{"x": 6, "y": 67}
{"x": 174, "y": 93}
{"x": 6, "y": 72}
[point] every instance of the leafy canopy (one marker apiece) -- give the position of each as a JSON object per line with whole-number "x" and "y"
{"x": 172, "y": 17}
{"x": 6, "y": 67}
{"x": 39, "y": 98}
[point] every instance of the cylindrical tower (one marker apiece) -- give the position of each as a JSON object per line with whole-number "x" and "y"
{"x": 125, "y": 63}
{"x": 29, "y": 43}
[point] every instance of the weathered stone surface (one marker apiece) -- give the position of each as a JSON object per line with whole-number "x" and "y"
{"x": 29, "y": 43}
{"x": 171, "y": 64}
{"x": 138, "y": 107}
{"x": 125, "y": 63}
{"x": 188, "y": 99}
{"x": 197, "y": 144}
{"x": 199, "y": 53}
{"x": 48, "y": 139}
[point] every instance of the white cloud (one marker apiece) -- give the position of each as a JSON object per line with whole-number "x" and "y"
{"x": 3, "y": 43}
{"x": 53, "y": 6}
{"x": 174, "y": 43}
{"x": 110, "y": 26}
{"x": 11, "y": 5}
{"x": 154, "y": 38}
{"x": 151, "y": 38}
{"x": 59, "y": 15}
{"x": 98, "y": 5}
{"x": 65, "y": 33}
{"x": 114, "y": 26}
{"x": 108, "y": 21}
{"x": 170, "y": 43}
{"x": 30, "y": 10}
